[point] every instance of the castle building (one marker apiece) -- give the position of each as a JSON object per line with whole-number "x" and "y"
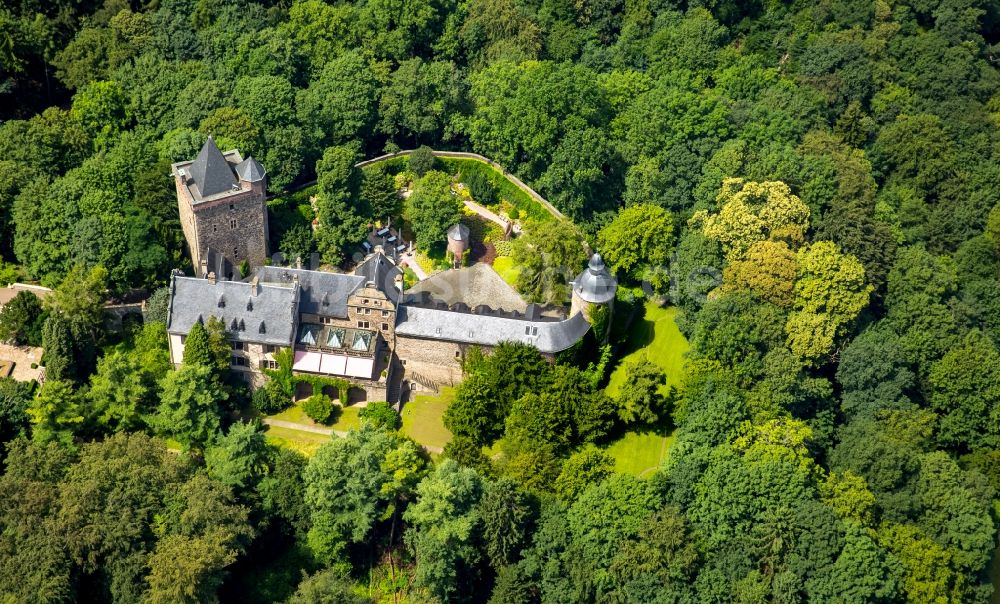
{"x": 222, "y": 201}
{"x": 361, "y": 327}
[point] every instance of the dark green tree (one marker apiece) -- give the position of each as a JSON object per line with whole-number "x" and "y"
{"x": 432, "y": 209}
{"x": 22, "y": 319}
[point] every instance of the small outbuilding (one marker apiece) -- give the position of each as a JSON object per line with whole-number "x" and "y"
{"x": 458, "y": 242}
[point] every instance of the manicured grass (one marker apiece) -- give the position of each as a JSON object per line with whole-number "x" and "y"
{"x": 293, "y": 414}
{"x": 656, "y": 338}
{"x": 640, "y": 453}
{"x": 304, "y": 442}
{"x": 423, "y": 418}
{"x": 348, "y": 419}
{"x": 505, "y": 267}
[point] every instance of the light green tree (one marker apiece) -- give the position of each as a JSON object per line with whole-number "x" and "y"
{"x": 751, "y": 212}
{"x": 829, "y": 293}
{"x": 640, "y": 236}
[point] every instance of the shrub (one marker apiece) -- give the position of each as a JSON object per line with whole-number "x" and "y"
{"x": 380, "y": 415}
{"x": 480, "y": 187}
{"x": 422, "y": 160}
{"x": 319, "y": 407}
{"x": 270, "y": 398}
{"x": 503, "y": 248}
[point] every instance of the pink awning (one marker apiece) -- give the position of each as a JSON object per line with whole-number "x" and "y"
{"x": 360, "y": 368}
{"x": 307, "y": 361}
{"x": 333, "y": 364}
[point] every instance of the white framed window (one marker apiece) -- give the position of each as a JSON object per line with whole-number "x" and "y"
{"x": 364, "y": 324}
{"x": 239, "y": 361}
{"x": 385, "y": 327}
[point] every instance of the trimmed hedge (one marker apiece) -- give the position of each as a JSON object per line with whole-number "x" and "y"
{"x": 506, "y": 190}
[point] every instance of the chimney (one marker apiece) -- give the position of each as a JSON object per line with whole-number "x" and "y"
{"x": 255, "y": 286}
{"x": 204, "y": 268}
{"x": 211, "y": 277}
{"x": 298, "y": 262}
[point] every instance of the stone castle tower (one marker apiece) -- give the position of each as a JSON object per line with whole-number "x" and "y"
{"x": 222, "y": 199}
{"x": 594, "y": 288}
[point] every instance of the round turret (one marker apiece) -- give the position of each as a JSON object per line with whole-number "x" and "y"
{"x": 595, "y": 286}
{"x": 458, "y": 241}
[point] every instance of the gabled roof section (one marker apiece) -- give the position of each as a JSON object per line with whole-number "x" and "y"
{"x": 211, "y": 172}
{"x": 322, "y": 293}
{"x": 380, "y": 270}
{"x": 250, "y": 170}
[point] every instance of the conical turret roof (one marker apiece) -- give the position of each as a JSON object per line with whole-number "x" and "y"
{"x": 595, "y": 284}
{"x": 250, "y": 170}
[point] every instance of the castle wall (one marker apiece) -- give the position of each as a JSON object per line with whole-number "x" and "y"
{"x": 431, "y": 360}
{"x": 247, "y": 240}
{"x": 188, "y": 223}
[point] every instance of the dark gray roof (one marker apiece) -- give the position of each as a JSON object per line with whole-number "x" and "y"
{"x": 380, "y": 270}
{"x": 595, "y": 284}
{"x": 250, "y": 170}
{"x": 321, "y": 293}
{"x": 458, "y": 232}
{"x": 211, "y": 172}
{"x": 269, "y": 317}
{"x": 489, "y": 330}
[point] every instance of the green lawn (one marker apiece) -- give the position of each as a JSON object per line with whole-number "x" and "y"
{"x": 640, "y": 453}
{"x": 304, "y": 442}
{"x": 423, "y": 418}
{"x": 656, "y": 338}
{"x": 504, "y": 266}
{"x": 347, "y": 419}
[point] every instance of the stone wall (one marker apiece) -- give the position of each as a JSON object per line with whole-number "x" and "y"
{"x": 247, "y": 240}
{"x": 209, "y": 224}
{"x": 371, "y": 305}
{"x": 188, "y": 225}
{"x": 435, "y": 361}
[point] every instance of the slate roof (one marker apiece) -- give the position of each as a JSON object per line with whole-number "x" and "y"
{"x": 595, "y": 284}
{"x": 321, "y": 293}
{"x": 489, "y": 330}
{"x": 211, "y": 172}
{"x": 381, "y": 271}
{"x": 458, "y": 232}
{"x": 250, "y": 170}
{"x": 269, "y": 317}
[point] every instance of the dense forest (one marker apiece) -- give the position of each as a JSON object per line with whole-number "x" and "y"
{"x": 813, "y": 184}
